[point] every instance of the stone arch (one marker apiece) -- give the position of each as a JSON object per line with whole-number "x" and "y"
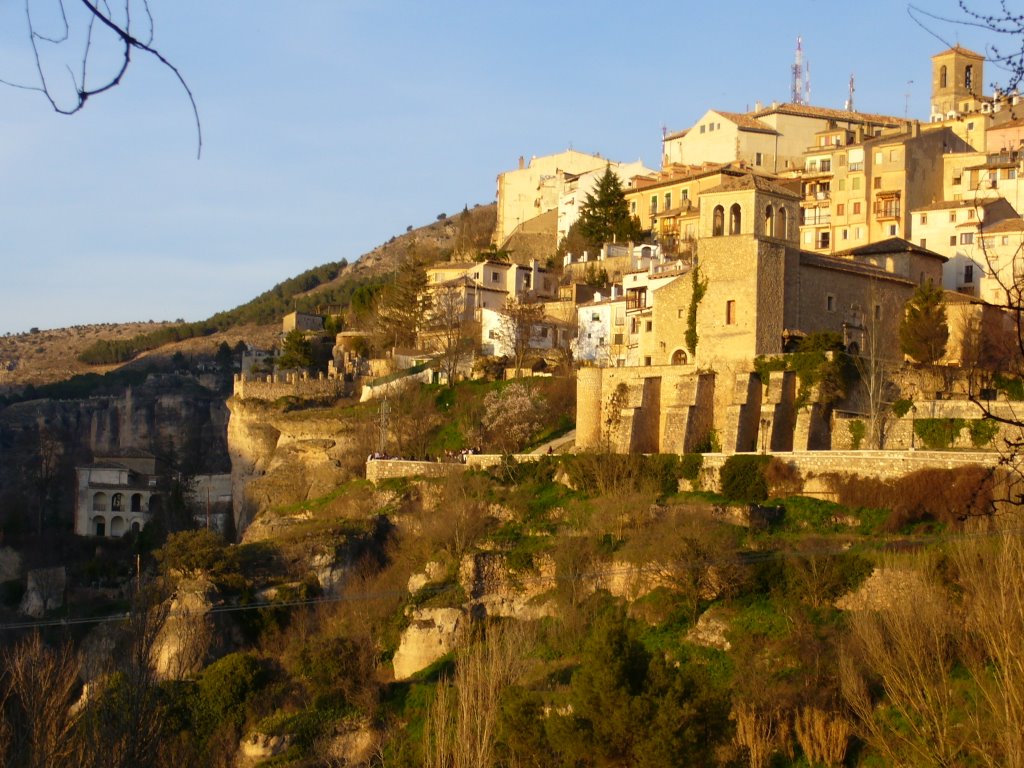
{"x": 117, "y": 502}
{"x": 99, "y": 501}
{"x": 735, "y": 219}
{"x": 136, "y": 526}
{"x": 769, "y": 221}
{"x": 99, "y": 525}
{"x": 117, "y": 526}
{"x": 782, "y": 224}
{"x": 718, "y": 221}
{"x": 679, "y": 357}
{"x": 136, "y": 502}
{"x": 645, "y": 252}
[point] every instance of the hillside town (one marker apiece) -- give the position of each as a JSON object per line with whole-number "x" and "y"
{"x": 714, "y": 463}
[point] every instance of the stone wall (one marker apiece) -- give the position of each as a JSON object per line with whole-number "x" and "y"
{"x": 387, "y": 469}
{"x": 898, "y": 431}
{"x": 288, "y": 385}
{"x": 884, "y": 465}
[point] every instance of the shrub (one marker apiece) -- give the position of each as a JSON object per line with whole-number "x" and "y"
{"x": 938, "y": 434}
{"x": 742, "y": 478}
{"x": 690, "y": 465}
{"x": 945, "y": 496}
{"x": 901, "y": 407}
{"x": 982, "y": 431}
{"x": 857, "y": 431}
{"x": 783, "y": 478}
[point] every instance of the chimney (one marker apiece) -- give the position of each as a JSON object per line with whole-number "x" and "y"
{"x": 522, "y": 162}
{"x": 758, "y": 106}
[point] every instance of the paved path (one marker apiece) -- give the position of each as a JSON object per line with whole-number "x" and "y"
{"x": 560, "y": 444}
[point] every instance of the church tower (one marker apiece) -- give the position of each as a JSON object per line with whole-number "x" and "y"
{"x": 957, "y": 82}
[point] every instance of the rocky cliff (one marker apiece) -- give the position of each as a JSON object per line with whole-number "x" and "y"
{"x": 280, "y": 458}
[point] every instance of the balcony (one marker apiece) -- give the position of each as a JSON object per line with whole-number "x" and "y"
{"x": 816, "y": 216}
{"x": 854, "y": 167}
{"x": 887, "y": 209}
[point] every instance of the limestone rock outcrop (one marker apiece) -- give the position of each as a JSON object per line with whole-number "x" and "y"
{"x": 431, "y": 634}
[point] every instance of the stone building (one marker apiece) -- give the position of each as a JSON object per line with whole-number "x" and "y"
{"x": 760, "y": 291}
{"x": 116, "y": 494}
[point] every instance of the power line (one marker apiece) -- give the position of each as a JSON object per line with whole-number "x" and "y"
{"x": 740, "y": 558}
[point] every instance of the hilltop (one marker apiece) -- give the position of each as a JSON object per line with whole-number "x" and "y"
{"x": 52, "y": 355}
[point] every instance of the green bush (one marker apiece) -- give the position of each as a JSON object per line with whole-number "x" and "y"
{"x": 690, "y": 465}
{"x": 223, "y": 689}
{"x": 938, "y": 434}
{"x": 1012, "y": 387}
{"x": 982, "y": 432}
{"x": 901, "y": 407}
{"x": 742, "y": 478}
{"x": 857, "y": 431}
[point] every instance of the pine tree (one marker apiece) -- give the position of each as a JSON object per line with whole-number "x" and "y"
{"x": 924, "y": 330}
{"x": 604, "y": 216}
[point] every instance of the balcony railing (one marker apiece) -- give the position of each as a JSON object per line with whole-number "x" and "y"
{"x": 852, "y": 167}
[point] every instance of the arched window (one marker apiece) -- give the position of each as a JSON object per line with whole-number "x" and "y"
{"x": 735, "y": 219}
{"x": 99, "y": 526}
{"x": 968, "y": 77}
{"x": 116, "y": 502}
{"x": 769, "y": 221}
{"x": 679, "y": 357}
{"x": 782, "y": 225}
{"x": 99, "y": 502}
{"x": 136, "y": 526}
{"x": 118, "y": 526}
{"x": 718, "y": 222}
{"x": 136, "y": 502}
{"x": 645, "y": 252}
{"x": 942, "y": 76}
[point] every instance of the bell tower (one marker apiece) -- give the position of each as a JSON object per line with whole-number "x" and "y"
{"x": 957, "y": 82}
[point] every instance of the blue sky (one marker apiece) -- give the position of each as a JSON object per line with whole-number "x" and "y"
{"x": 331, "y": 125}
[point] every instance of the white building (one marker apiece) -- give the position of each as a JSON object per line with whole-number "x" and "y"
{"x": 576, "y": 187}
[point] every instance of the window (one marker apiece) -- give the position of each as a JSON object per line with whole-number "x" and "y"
{"x": 969, "y": 77}
{"x": 952, "y": 239}
{"x": 668, "y": 200}
{"x": 830, "y": 303}
{"x": 841, "y": 160}
{"x": 647, "y": 360}
{"x": 617, "y": 338}
{"x": 892, "y": 230}
{"x": 970, "y": 126}
{"x": 924, "y": 243}
{"x": 823, "y": 240}
{"x": 892, "y": 155}
{"x": 758, "y": 158}
{"x": 957, "y": 180}
{"x": 702, "y": 129}
{"x": 943, "y": 76}
{"x": 878, "y": 157}
{"x": 924, "y": 218}
{"x": 846, "y": 234}
{"x": 842, "y": 185}
{"x": 494, "y": 276}
{"x": 686, "y": 193}
{"x": 970, "y": 213}
{"x": 650, "y": 326}
{"x": 493, "y": 334}
{"x": 952, "y": 216}
{"x": 856, "y": 233}
{"x": 826, "y": 165}
{"x": 1005, "y": 240}
{"x": 878, "y": 311}
{"x": 878, "y": 182}
{"x": 718, "y": 221}
{"x": 855, "y": 183}
{"x": 735, "y": 219}
{"x": 632, "y": 207}
{"x": 968, "y": 274}
{"x": 966, "y": 238}
{"x": 654, "y": 204}
{"x": 544, "y": 333}
{"x": 840, "y": 209}
{"x": 856, "y": 207}
{"x": 730, "y": 312}
{"x": 595, "y": 316}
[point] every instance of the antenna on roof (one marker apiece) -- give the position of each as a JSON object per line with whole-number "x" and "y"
{"x": 849, "y": 99}
{"x": 801, "y": 87}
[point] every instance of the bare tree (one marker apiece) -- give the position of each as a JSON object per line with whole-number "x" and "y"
{"x": 449, "y": 327}
{"x": 41, "y": 684}
{"x": 91, "y": 46}
{"x": 517, "y": 329}
{"x": 463, "y": 721}
{"x": 875, "y": 363}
